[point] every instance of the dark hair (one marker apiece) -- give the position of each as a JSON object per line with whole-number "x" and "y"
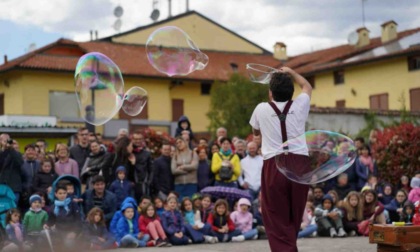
{"x": 145, "y": 197}
{"x": 174, "y": 192}
{"x": 360, "y": 139}
{"x": 185, "y": 199}
{"x": 82, "y": 129}
{"x": 225, "y": 139}
{"x": 121, "y": 149}
{"x": 97, "y": 179}
{"x": 281, "y": 87}
{"x": 44, "y": 195}
{"x": 318, "y": 187}
{"x": 60, "y": 187}
{"x": 206, "y": 196}
{"x": 47, "y": 159}
{"x": 30, "y": 146}
{"x": 365, "y": 147}
{"x": 10, "y": 212}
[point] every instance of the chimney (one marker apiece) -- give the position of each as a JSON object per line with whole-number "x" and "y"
{"x": 188, "y": 5}
{"x": 5, "y": 59}
{"x": 280, "y": 52}
{"x": 364, "y": 39}
{"x": 91, "y": 35}
{"x": 96, "y": 34}
{"x": 170, "y": 8}
{"x": 389, "y": 31}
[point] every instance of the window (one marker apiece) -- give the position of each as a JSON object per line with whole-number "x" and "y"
{"x": 205, "y": 88}
{"x": 311, "y": 80}
{"x": 340, "y": 104}
{"x": 234, "y": 67}
{"x": 177, "y": 109}
{"x": 415, "y": 99}
{"x": 339, "y": 77}
{"x": 64, "y": 104}
{"x": 414, "y": 63}
{"x": 144, "y": 114}
{"x": 379, "y": 101}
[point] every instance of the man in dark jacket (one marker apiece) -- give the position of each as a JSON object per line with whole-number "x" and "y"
{"x": 80, "y": 151}
{"x": 10, "y": 166}
{"x": 30, "y": 167}
{"x": 99, "y": 197}
{"x": 142, "y": 174}
{"x": 163, "y": 180}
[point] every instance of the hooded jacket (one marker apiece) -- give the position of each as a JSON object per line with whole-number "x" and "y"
{"x": 121, "y": 188}
{"x": 179, "y": 130}
{"x": 320, "y": 212}
{"x": 408, "y": 218}
{"x": 243, "y": 221}
{"x": 118, "y": 214}
{"x": 172, "y": 222}
{"x": 414, "y": 194}
{"x": 123, "y": 228}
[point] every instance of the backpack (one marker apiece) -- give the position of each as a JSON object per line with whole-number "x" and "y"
{"x": 225, "y": 173}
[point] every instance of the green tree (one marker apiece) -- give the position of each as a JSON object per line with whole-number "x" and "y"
{"x": 232, "y": 104}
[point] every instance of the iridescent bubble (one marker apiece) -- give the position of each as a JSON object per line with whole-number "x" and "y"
{"x": 134, "y": 101}
{"x": 99, "y": 88}
{"x": 171, "y": 51}
{"x": 327, "y": 155}
{"x": 259, "y": 73}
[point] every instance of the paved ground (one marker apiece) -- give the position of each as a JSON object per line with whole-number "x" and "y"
{"x": 350, "y": 244}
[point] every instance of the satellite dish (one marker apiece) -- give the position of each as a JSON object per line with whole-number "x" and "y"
{"x": 353, "y": 38}
{"x": 118, "y": 11}
{"x": 155, "y": 15}
{"x": 117, "y": 25}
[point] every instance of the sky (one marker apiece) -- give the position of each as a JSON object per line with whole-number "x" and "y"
{"x": 303, "y": 25}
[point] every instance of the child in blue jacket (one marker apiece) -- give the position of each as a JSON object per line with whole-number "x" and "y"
{"x": 127, "y": 233}
{"x": 173, "y": 223}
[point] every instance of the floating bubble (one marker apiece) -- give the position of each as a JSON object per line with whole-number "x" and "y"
{"x": 259, "y": 73}
{"x": 134, "y": 101}
{"x": 99, "y": 88}
{"x": 329, "y": 154}
{"x": 171, "y": 51}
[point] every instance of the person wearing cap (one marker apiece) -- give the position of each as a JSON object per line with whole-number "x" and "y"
{"x": 329, "y": 218}
{"x": 34, "y": 219}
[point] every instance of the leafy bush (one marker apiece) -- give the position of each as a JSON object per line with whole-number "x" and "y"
{"x": 397, "y": 151}
{"x": 154, "y": 140}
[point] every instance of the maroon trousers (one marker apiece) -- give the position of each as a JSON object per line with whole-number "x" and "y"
{"x": 283, "y": 203}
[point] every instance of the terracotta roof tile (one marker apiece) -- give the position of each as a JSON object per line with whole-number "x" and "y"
{"x": 132, "y": 60}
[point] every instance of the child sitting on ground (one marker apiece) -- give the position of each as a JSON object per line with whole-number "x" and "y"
{"x": 221, "y": 224}
{"x": 196, "y": 229}
{"x": 127, "y": 233}
{"x": 173, "y": 223}
{"x": 95, "y": 231}
{"x": 149, "y": 223}
{"x": 242, "y": 219}
{"x": 329, "y": 218}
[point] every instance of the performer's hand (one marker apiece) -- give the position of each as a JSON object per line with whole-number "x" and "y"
{"x": 287, "y": 70}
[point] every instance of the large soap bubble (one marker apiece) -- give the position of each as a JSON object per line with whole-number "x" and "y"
{"x": 171, "y": 51}
{"x": 329, "y": 154}
{"x": 99, "y": 88}
{"x": 134, "y": 101}
{"x": 260, "y": 73}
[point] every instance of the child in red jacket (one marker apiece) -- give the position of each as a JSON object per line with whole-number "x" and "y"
{"x": 220, "y": 222}
{"x": 149, "y": 223}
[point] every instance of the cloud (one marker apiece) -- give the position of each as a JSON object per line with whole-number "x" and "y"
{"x": 303, "y": 25}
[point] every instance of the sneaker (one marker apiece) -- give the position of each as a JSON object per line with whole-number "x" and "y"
{"x": 341, "y": 233}
{"x": 352, "y": 233}
{"x": 314, "y": 234}
{"x": 208, "y": 239}
{"x": 215, "y": 240}
{"x": 255, "y": 237}
{"x": 160, "y": 243}
{"x": 150, "y": 243}
{"x": 333, "y": 233}
{"x": 239, "y": 238}
{"x": 189, "y": 241}
{"x": 167, "y": 243}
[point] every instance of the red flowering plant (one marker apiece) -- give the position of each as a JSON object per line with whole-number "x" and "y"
{"x": 397, "y": 151}
{"x": 154, "y": 140}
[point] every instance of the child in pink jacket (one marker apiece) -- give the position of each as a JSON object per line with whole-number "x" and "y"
{"x": 243, "y": 221}
{"x": 414, "y": 195}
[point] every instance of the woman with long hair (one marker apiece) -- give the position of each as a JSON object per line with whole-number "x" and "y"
{"x": 123, "y": 156}
{"x": 352, "y": 210}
